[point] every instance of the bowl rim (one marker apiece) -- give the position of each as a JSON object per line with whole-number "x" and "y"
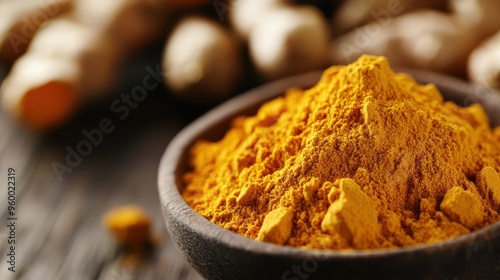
{"x": 172, "y": 201}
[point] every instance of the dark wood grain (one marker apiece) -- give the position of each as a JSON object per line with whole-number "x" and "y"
{"x": 60, "y": 234}
{"x": 59, "y": 231}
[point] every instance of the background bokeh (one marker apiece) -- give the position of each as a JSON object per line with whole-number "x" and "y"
{"x": 132, "y": 73}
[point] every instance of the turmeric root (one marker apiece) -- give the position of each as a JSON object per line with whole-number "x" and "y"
{"x": 244, "y": 15}
{"x": 289, "y": 41}
{"x": 423, "y": 39}
{"x": 20, "y": 20}
{"x": 477, "y": 16}
{"x": 65, "y": 65}
{"x": 40, "y": 91}
{"x": 484, "y": 63}
{"x": 353, "y": 13}
{"x": 133, "y": 23}
{"x": 98, "y": 55}
{"x": 80, "y": 55}
{"x": 202, "y": 60}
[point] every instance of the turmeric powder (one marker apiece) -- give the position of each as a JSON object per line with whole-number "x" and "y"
{"x": 130, "y": 226}
{"x": 365, "y": 159}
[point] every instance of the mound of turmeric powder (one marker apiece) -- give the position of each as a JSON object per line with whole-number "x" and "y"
{"x": 365, "y": 159}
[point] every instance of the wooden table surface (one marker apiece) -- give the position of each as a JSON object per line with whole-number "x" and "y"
{"x": 58, "y": 228}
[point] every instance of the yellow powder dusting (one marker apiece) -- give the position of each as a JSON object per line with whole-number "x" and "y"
{"x": 366, "y": 159}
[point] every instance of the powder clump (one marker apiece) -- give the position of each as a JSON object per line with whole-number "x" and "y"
{"x": 463, "y": 207}
{"x": 365, "y": 159}
{"x": 353, "y": 215}
{"x": 277, "y": 226}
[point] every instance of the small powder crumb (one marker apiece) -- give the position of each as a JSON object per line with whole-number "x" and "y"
{"x": 463, "y": 207}
{"x": 277, "y": 226}
{"x": 130, "y": 226}
{"x": 248, "y": 194}
{"x": 353, "y": 215}
{"x": 334, "y": 192}
{"x": 310, "y": 187}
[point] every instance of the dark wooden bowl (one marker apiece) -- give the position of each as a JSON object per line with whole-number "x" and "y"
{"x": 218, "y": 253}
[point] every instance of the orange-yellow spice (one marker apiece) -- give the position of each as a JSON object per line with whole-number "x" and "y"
{"x": 130, "y": 226}
{"x": 364, "y": 159}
